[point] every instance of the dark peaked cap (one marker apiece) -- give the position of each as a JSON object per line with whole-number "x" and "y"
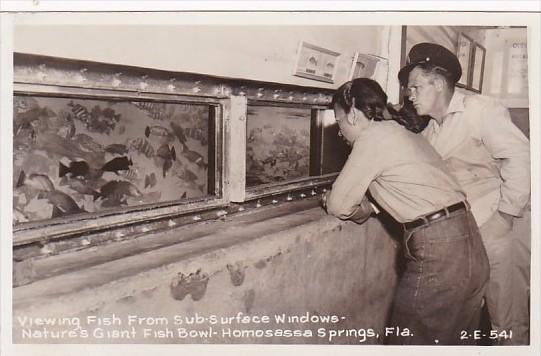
{"x": 430, "y": 53}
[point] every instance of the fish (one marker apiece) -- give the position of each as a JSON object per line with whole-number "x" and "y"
{"x": 158, "y": 131}
{"x": 27, "y": 118}
{"x": 141, "y": 145}
{"x": 57, "y": 145}
{"x": 198, "y": 134}
{"x": 117, "y": 164}
{"x": 87, "y": 143}
{"x": 167, "y": 164}
{"x": 62, "y": 203}
{"x": 111, "y": 114}
{"x": 117, "y": 148}
{"x": 24, "y": 103}
{"x": 102, "y": 121}
{"x": 270, "y": 160}
{"x": 168, "y": 155}
{"x": 130, "y": 174}
{"x": 156, "y": 111}
{"x": 194, "y": 157}
{"x": 80, "y": 112}
{"x": 82, "y": 187}
{"x": 184, "y": 195}
{"x": 76, "y": 169}
{"x": 179, "y": 132}
{"x": 36, "y": 181}
{"x": 150, "y": 180}
{"x": 118, "y": 189}
{"x": 188, "y": 176}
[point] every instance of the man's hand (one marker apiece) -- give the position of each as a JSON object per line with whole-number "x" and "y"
{"x": 323, "y": 200}
{"x": 363, "y": 212}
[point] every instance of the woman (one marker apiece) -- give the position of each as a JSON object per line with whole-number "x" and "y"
{"x": 438, "y": 298}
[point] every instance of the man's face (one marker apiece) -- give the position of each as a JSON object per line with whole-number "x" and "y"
{"x": 422, "y": 92}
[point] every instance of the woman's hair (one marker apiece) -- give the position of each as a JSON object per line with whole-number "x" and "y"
{"x": 372, "y": 101}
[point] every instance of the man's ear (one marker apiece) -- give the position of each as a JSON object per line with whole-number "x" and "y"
{"x": 439, "y": 84}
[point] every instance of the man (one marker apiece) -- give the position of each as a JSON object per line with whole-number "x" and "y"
{"x": 490, "y": 158}
{"x": 438, "y": 297}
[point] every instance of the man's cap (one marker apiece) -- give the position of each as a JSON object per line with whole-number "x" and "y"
{"x": 430, "y": 53}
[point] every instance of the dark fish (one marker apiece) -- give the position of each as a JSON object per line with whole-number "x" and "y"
{"x": 119, "y": 189}
{"x": 168, "y": 155}
{"x": 167, "y": 164}
{"x": 194, "y": 157}
{"x": 82, "y": 187}
{"x": 111, "y": 114}
{"x": 150, "y": 181}
{"x": 117, "y": 148}
{"x": 63, "y": 204}
{"x": 36, "y": 181}
{"x": 184, "y": 195}
{"x": 117, "y": 164}
{"x": 158, "y": 131}
{"x": 77, "y": 169}
{"x": 179, "y": 132}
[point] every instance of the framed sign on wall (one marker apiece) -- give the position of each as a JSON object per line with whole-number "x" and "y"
{"x": 471, "y": 56}
{"x": 477, "y": 68}
{"x": 464, "y": 51}
{"x": 317, "y": 63}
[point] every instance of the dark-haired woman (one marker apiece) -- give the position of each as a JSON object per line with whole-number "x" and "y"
{"x": 438, "y": 298}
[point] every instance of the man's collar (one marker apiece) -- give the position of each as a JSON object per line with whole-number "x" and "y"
{"x": 456, "y": 104}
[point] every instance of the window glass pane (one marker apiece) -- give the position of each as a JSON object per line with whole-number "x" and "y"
{"x": 85, "y": 155}
{"x": 278, "y": 144}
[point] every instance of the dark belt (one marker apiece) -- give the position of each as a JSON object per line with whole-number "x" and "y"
{"x": 437, "y": 215}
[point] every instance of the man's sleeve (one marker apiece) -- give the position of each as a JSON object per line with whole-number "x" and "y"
{"x": 508, "y": 144}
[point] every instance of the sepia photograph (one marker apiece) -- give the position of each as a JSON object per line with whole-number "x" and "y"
{"x": 353, "y": 180}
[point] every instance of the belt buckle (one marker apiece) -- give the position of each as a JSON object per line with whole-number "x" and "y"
{"x": 437, "y": 215}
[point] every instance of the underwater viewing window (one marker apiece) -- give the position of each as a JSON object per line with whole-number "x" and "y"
{"x": 81, "y": 155}
{"x": 107, "y": 152}
{"x": 288, "y": 145}
{"x": 277, "y": 144}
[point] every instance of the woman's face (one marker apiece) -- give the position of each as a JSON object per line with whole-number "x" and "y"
{"x": 348, "y": 131}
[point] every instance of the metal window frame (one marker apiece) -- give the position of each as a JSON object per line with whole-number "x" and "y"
{"x": 83, "y": 223}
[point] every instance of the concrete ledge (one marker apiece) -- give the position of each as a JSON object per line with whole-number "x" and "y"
{"x": 274, "y": 261}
